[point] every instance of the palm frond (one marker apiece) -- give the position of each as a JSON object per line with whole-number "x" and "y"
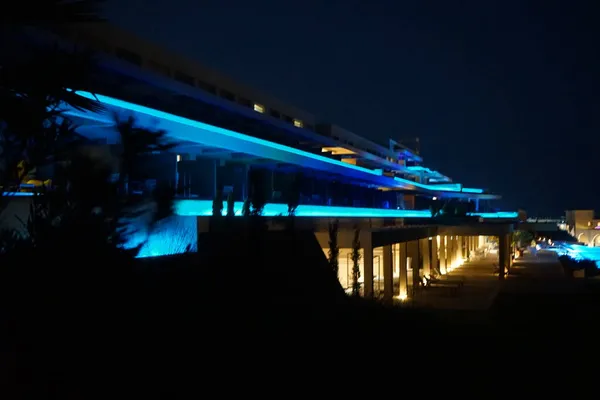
{"x": 51, "y": 76}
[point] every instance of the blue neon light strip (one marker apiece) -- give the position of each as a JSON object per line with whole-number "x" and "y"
{"x": 472, "y": 190}
{"x": 447, "y": 187}
{"x": 17, "y": 194}
{"x": 222, "y": 131}
{"x": 435, "y": 188}
{"x": 235, "y": 135}
{"x": 204, "y": 208}
{"x": 499, "y": 214}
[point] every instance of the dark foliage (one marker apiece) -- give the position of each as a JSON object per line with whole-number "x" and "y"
{"x": 217, "y": 204}
{"x": 334, "y": 250}
{"x": 356, "y": 256}
{"x": 258, "y": 196}
{"x": 570, "y": 265}
{"x": 33, "y": 129}
{"x": 230, "y": 205}
{"x": 293, "y": 193}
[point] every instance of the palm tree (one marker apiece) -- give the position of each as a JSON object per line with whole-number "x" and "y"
{"x": 32, "y": 102}
{"x": 92, "y": 212}
{"x": 136, "y": 141}
{"x": 37, "y": 83}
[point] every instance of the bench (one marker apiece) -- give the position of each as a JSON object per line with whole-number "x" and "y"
{"x": 457, "y": 279}
{"x": 449, "y": 284}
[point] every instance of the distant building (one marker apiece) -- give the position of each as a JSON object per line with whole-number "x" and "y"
{"x": 584, "y": 226}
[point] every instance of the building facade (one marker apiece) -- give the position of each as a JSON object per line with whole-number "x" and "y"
{"x": 225, "y": 131}
{"x": 338, "y": 167}
{"x": 582, "y": 225}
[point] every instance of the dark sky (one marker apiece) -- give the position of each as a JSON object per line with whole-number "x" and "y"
{"x": 503, "y": 94}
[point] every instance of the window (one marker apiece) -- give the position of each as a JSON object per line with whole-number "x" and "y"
{"x": 129, "y": 56}
{"x": 158, "y": 67}
{"x": 207, "y": 86}
{"x": 289, "y": 119}
{"x": 259, "y": 108}
{"x": 226, "y": 94}
{"x": 298, "y": 123}
{"x": 184, "y": 78}
{"x": 275, "y": 114}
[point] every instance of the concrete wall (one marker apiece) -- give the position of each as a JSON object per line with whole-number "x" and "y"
{"x": 579, "y": 219}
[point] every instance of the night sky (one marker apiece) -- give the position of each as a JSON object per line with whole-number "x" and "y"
{"x": 503, "y": 94}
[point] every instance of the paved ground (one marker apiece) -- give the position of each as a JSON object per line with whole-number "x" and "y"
{"x": 537, "y": 299}
{"x": 480, "y": 288}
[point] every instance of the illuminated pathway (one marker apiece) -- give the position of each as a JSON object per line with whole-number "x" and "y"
{"x": 478, "y": 293}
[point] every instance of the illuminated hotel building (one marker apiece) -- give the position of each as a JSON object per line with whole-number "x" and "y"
{"x": 224, "y": 129}
{"x": 582, "y": 225}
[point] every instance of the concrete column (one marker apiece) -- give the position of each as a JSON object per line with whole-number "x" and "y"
{"x": 401, "y": 260}
{"x": 424, "y": 244}
{"x": 503, "y": 255}
{"x": 215, "y": 173}
{"x": 451, "y": 252}
{"x": 457, "y": 251}
{"x": 434, "y": 255}
{"x": 442, "y": 251}
{"x": 388, "y": 274}
{"x": 509, "y": 250}
{"x": 413, "y": 253}
{"x": 368, "y": 270}
{"x": 245, "y": 191}
{"x": 456, "y": 248}
{"x": 467, "y": 246}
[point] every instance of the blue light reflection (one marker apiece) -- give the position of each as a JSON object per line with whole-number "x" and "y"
{"x": 472, "y": 190}
{"x": 173, "y": 235}
{"x": 204, "y": 208}
{"x": 578, "y": 252}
